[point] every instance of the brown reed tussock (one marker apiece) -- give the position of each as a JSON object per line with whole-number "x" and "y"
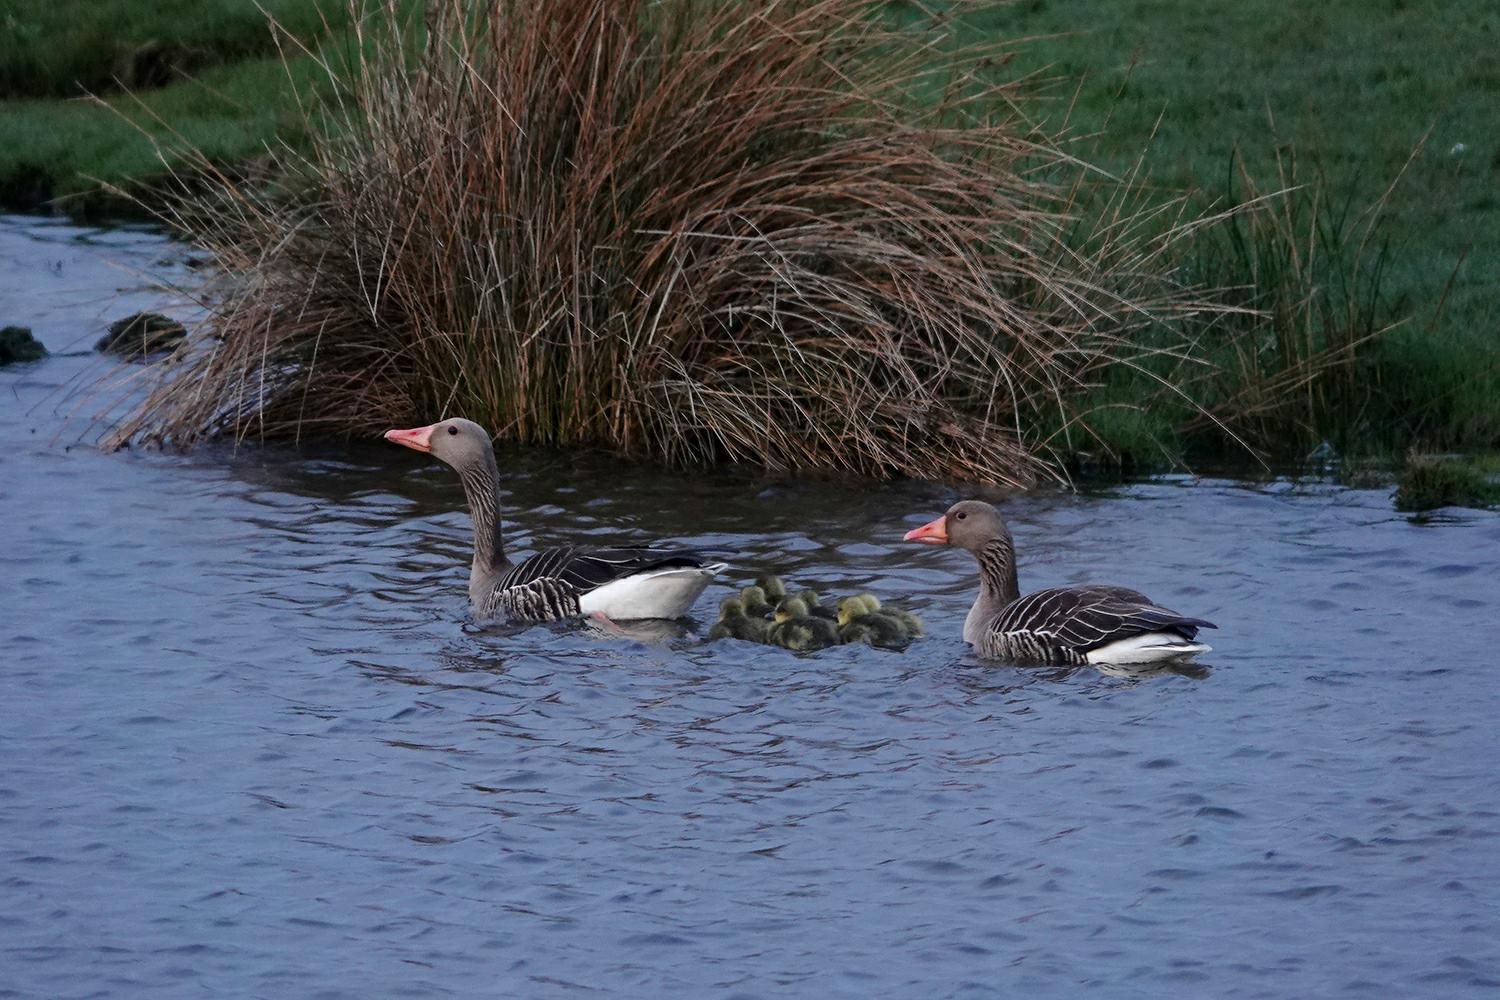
{"x": 784, "y": 232}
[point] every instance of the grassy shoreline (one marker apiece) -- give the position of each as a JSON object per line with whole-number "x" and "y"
{"x": 1177, "y": 89}
{"x": 100, "y": 105}
{"x": 1351, "y": 90}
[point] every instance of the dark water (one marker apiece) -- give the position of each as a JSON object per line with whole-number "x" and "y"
{"x": 251, "y": 748}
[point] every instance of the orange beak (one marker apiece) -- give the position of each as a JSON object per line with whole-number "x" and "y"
{"x": 417, "y": 439}
{"x": 934, "y": 532}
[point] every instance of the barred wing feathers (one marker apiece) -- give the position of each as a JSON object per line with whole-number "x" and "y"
{"x": 1085, "y": 618}
{"x": 550, "y": 584}
{"x": 582, "y": 570}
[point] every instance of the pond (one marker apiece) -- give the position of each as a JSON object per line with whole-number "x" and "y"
{"x": 253, "y": 747}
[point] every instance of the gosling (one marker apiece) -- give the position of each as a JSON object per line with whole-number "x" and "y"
{"x": 733, "y": 623}
{"x": 795, "y": 629}
{"x": 775, "y": 589}
{"x": 815, "y": 607}
{"x": 859, "y": 622}
{"x": 754, "y": 599}
{"x": 909, "y": 621}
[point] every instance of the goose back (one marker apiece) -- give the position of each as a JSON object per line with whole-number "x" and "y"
{"x": 1064, "y": 625}
{"x": 552, "y": 584}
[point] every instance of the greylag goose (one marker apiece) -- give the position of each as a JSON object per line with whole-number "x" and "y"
{"x": 1060, "y": 625}
{"x": 620, "y": 584}
{"x": 854, "y": 607}
{"x": 756, "y": 604}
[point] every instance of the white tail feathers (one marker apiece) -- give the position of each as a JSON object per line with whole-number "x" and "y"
{"x": 659, "y": 593}
{"x": 1148, "y": 647}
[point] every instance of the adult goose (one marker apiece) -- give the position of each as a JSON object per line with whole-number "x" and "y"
{"x": 1060, "y": 625}
{"x": 620, "y": 584}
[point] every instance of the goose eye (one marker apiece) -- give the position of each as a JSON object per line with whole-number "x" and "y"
{"x": 453, "y": 430}
{"x": 961, "y": 515}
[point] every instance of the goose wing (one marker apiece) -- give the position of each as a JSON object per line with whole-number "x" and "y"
{"x": 1085, "y": 618}
{"x": 580, "y": 570}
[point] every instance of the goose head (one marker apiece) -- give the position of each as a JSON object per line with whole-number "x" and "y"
{"x": 968, "y": 524}
{"x": 455, "y": 442}
{"x": 854, "y": 607}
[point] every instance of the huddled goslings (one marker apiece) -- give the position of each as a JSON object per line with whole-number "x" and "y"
{"x": 767, "y": 613}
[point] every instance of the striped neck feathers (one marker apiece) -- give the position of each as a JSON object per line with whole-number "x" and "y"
{"x": 998, "y": 585}
{"x": 482, "y": 490}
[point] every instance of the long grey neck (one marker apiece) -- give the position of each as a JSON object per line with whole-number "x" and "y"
{"x": 482, "y": 489}
{"x": 997, "y": 584}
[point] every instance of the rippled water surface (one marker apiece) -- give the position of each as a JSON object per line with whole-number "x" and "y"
{"x": 253, "y": 748}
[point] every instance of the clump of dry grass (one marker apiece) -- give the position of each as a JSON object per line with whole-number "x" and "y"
{"x": 780, "y": 232}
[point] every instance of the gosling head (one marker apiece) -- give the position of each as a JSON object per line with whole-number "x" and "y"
{"x": 790, "y": 609}
{"x": 755, "y": 601}
{"x": 851, "y": 608}
{"x": 456, "y": 442}
{"x": 774, "y": 589}
{"x": 968, "y": 524}
{"x": 731, "y": 607}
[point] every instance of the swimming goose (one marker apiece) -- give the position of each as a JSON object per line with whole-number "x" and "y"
{"x": 874, "y": 630}
{"x": 850, "y": 608}
{"x": 1060, "y": 625}
{"x": 621, "y": 584}
{"x": 773, "y": 586}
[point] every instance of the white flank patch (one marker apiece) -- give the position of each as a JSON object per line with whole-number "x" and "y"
{"x": 1148, "y": 647}
{"x": 661, "y": 593}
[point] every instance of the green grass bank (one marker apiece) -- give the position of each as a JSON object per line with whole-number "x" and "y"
{"x": 113, "y": 91}
{"x": 1349, "y": 89}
